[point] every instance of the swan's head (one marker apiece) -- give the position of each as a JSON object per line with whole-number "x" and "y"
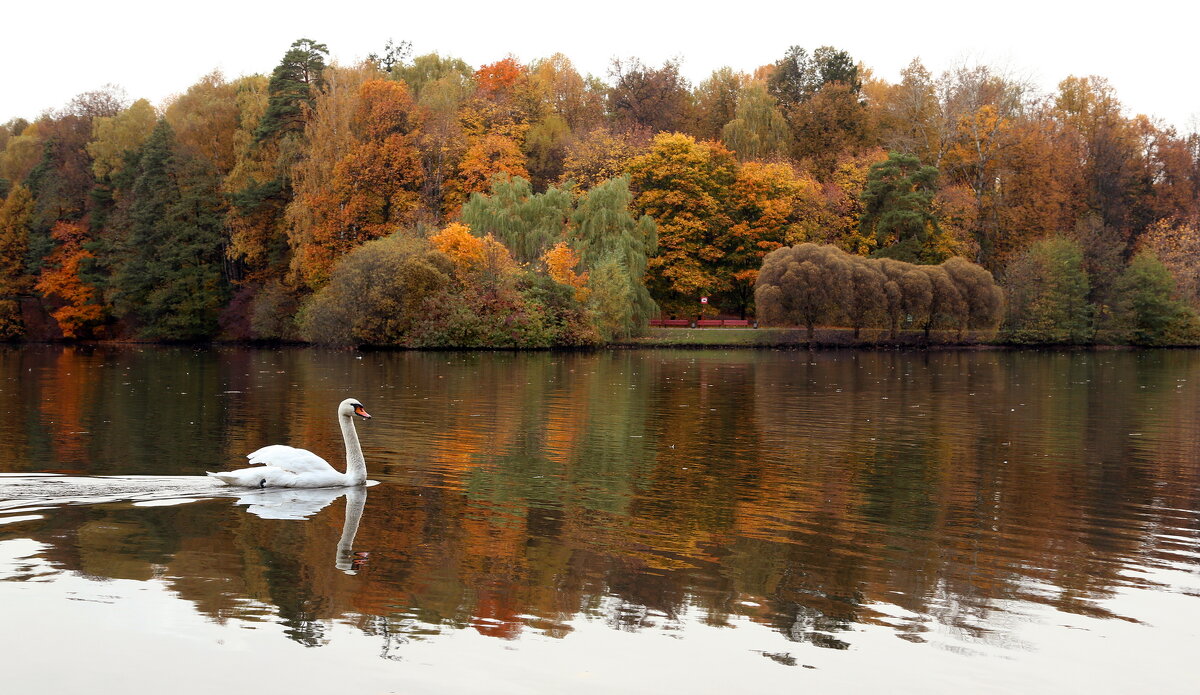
{"x": 351, "y": 406}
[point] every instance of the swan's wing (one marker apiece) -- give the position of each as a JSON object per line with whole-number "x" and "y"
{"x": 289, "y": 458}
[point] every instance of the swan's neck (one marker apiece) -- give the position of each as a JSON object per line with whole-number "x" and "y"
{"x": 356, "y": 498}
{"x": 356, "y": 465}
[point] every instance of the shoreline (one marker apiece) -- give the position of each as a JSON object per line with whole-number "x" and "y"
{"x": 667, "y": 338}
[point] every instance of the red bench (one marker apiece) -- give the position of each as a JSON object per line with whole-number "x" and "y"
{"x": 671, "y": 323}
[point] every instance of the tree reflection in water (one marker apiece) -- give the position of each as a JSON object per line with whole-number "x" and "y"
{"x": 810, "y": 492}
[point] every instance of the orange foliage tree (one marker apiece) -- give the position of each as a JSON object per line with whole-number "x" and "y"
{"x": 60, "y": 279}
{"x": 561, "y": 261}
{"x": 489, "y": 155}
{"x": 771, "y": 205}
{"x": 375, "y": 187}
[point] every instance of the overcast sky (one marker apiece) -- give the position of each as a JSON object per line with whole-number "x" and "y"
{"x": 154, "y": 49}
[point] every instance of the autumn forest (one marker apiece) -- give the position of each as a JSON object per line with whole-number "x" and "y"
{"x": 420, "y": 201}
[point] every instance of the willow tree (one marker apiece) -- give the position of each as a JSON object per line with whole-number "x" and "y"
{"x": 983, "y": 298}
{"x": 758, "y": 129}
{"x": 805, "y": 284}
{"x": 866, "y": 301}
{"x": 528, "y": 223}
{"x": 947, "y": 308}
{"x": 612, "y": 241}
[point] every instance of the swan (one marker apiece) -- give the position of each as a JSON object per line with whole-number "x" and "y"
{"x": 285, "y": 466}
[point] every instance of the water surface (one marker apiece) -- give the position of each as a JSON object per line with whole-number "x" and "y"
{"x": 627, "y": 521}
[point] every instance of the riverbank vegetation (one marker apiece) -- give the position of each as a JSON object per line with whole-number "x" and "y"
{"x": 420, "y": 201}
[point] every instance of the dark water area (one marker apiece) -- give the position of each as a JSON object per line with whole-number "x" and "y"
{"x": 624, "y": 521}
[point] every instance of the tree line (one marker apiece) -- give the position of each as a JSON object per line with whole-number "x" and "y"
{"x": 225, "y": 212}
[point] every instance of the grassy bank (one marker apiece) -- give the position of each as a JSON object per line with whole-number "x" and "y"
{"x": 789, "y": 337}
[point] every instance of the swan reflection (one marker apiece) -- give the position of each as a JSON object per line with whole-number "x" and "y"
{"x": 300, "y": 504}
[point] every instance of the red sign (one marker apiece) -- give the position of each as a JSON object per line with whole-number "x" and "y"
{"x": 704, "y": 300}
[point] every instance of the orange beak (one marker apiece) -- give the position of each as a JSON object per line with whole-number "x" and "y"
{"x": 358, "y": 410}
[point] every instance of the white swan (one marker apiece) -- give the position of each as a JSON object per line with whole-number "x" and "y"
{"x": 286, "y": 466}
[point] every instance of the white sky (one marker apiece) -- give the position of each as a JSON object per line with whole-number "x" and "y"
{"x": 153, "y": 49}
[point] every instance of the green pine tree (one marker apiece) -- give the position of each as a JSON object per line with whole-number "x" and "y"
{"x": 171, "y": 282}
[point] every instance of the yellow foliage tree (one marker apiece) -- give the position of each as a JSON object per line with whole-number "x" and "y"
{"x": 113, "y": 136}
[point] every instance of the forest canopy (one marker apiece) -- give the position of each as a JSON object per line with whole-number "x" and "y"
{"x": 422, "y": 201}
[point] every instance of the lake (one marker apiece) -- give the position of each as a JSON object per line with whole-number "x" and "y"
{"x": 615, "y": 521}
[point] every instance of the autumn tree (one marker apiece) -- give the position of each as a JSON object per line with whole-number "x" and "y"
{"x": 866, "y": 301}
{"x": 717, "y": 99}
{"x": 805, "y": 284}
{"x": 832, "y": 121}
{"x": 377, "y": 293}
{"x": 579, "y": 101}
{"x": 375, "y": 186}
{"x": 545, "y": 149}
{"x": 432, "y": 68}
{"x": 798, "y": 75}
{"x": 983, "y": 298}
{"x": 562, "y": 265}
{"x": 656, "y": 99}
{"x": 1176, "y": 244}
{"x": 79, "y": 303}
{"x": 206, "y": 119}
{"x": 318, "y": 208}
{"x": 597, "y": 156}
{"x": 911, "y": 116}
{"x": 442, "y": 86}
{"x": 114, "y": 136}
{"x": 21, "y": 153}
{"x": 488, "y": 156}
{"x": 770, "y": 205}
{"x": 947, "y": 308}
{"x": 683, "y": 185}
{"x": 15, "y": 216}
{"x": 1113, "y": 170}
{"x": 843, "y": 192}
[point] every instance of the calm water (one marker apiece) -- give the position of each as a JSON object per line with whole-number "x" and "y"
{"x": 612, "y": 522}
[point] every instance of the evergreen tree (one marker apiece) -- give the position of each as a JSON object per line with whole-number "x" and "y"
{"x": 292, "y": 89}
{"x": 898, "y": 210}
{"x": 171, "y": 283}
